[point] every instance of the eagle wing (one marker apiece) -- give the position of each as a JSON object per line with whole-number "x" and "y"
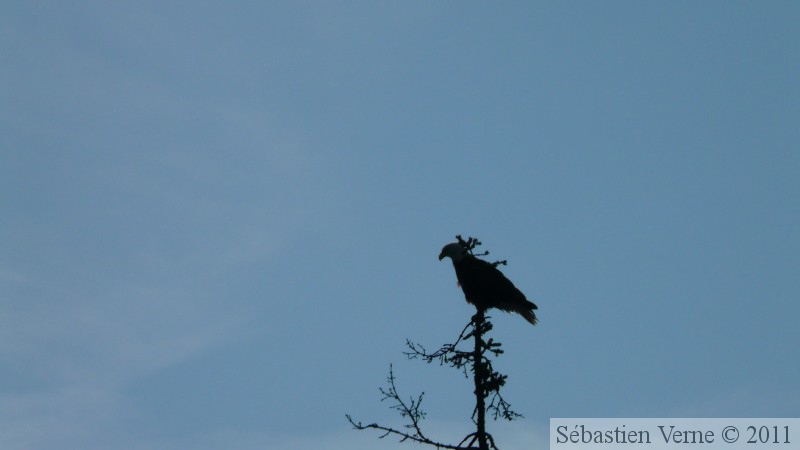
{"x": 486, "y": 287}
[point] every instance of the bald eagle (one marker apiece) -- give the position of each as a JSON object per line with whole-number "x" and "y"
{"x": 486, "y": 287}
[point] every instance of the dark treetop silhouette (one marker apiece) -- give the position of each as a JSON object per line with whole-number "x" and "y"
{"x": 484, "y": 286}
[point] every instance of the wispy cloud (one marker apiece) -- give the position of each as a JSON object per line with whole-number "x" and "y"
{"x": 65, "y": 417}
{"x": 79, "y": 354}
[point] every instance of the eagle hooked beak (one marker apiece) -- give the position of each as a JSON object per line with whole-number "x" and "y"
{"x": 455, "y": 251}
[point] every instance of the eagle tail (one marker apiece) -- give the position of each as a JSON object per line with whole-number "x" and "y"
{"x": 528, "y": 315}
{"x": 525, "y": 309}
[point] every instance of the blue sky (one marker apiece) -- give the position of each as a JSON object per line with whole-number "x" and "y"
{"x": 220, "y": 222}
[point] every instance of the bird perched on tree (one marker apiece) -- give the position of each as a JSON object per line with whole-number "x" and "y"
{"x": 484, "y": 286}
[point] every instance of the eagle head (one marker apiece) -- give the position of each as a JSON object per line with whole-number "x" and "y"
{"x": 455, "y": 251}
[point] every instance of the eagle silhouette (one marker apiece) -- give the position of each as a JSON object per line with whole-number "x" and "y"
{"x": 486, "y": 287}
